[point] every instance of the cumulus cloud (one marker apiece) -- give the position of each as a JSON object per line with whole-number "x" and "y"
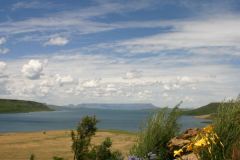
{"x": 111, "y": 88}
{"x": 3, "y": 66}
{"x": 57, "y": 41}
{"x": 133, "y": 74}
{"x": 33, "y": 69}
{"x": 63, "y": 80}
{"x": 90, "y": 83}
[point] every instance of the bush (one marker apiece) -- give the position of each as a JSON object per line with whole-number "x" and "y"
{"x": 32, "y": 157}
{"x": 82, "y": 139}
{"x": 58, "y": 158}
{"x": 103, "y": 152}
{"x": 227, "y": 126}
{"x": 153, "y": 138}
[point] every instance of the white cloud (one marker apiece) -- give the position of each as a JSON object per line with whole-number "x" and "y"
{"x": 4, "y": 50}
{"x": 165, "y": 95}
{"x": 133, "y": 74}
{"x": 111, "y": 88}
{"x": 31, "y": 5}
{"x": 216, "y": 35}
{"x": 90, "y": 83}
{"x": 3, "y": 66}
{"x": 2, "y": 40}
{"x": 57, "y": 41}
{"x": 64, "y": 80}
{"x": 176, "y": 81}
{"x": 33, "y": 69}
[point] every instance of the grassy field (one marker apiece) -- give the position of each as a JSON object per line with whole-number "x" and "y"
{"x": 18, "y": 106}
{"x": 19, "y": 146}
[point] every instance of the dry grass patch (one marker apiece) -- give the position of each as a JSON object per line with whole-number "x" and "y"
{"x": 19, "y": 146}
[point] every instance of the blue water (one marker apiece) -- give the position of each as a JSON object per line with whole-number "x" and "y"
{"x": 68, "y": 119}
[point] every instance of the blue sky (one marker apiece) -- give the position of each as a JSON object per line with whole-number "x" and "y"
{"x": 154, "y": 51}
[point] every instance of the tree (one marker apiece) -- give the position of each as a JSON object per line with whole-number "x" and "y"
{"x": 82, "y": 143}
{"x": 81, "y": 139}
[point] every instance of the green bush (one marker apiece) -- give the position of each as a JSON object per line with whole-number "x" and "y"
{"x": 159, "y": 129}
{"x": 103, "y": 152}
{"x": 227, "y": 127}
{"x": 58, "y": 158}
{"x": 82, "y": 143}
{"x": 81, "y": 139}
{"x": 32, "y": 157}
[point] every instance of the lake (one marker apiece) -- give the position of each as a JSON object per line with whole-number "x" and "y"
{"x": 68, "y": 119}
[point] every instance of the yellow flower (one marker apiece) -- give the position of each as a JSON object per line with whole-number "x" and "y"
{"x": 202, "y": 142}
{"x": 190, "y": 147}
{"x": 177, "y": 153}
{"x": 208, "y": 129}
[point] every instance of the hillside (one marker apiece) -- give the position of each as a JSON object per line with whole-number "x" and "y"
{"x": 20, "y": 106}
{"x": 208, "y": 109}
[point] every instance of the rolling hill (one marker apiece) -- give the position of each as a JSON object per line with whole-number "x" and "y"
{"x": 208, "y": 109}
{"x": 21, "y": 106}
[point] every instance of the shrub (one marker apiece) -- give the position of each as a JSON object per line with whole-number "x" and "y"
{"x": 81, "y": 143}
{"x": 58, "y": 158}
{"x": 153, "y": 138}
{"x": 32, "y": 157}
{"x": 103, "y": 152}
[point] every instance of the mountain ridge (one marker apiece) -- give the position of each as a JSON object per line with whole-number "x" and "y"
{"x": 115, "y": 106}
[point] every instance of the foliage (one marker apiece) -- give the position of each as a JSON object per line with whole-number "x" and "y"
{"x": 227, "y": 127}
{"x": 58, "y": 158}
{"x": 153, "y": 138}
{"x": 103, "y": 152}
{"x": 32, "y": 157}
{"x": 81, "y": 140}
{"x": 202, "y": 144}
{"x": 82, "y": 143}
{"x": 17, "y": 106}
{"x": 221, "y": 140}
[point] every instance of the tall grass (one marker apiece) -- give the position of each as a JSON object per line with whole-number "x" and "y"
{"x": 154, "y": 136}
{"x": 227, "y": 126}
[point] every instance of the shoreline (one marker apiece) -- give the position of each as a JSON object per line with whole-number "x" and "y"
{"x": 205, "y": 116}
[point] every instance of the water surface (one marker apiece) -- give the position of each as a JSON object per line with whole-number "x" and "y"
{"x": 68, "y": 119}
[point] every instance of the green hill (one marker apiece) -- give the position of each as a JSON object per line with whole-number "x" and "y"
{"x": 211, "y": 108}
{"x": 20, "y": 106}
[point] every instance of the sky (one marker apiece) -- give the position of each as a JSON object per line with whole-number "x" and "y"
{"x": 128, "y": 51}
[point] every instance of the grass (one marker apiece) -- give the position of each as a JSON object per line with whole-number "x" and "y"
{"x": 156, "y": 133}
{"x": 20, "y": 146}
{"x": 227, "y": 127}
{"x": 20, "y": 106}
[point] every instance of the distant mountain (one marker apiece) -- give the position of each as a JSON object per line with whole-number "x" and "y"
{"x": 114, "y": 106}
{"x": 21, "y": 106}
